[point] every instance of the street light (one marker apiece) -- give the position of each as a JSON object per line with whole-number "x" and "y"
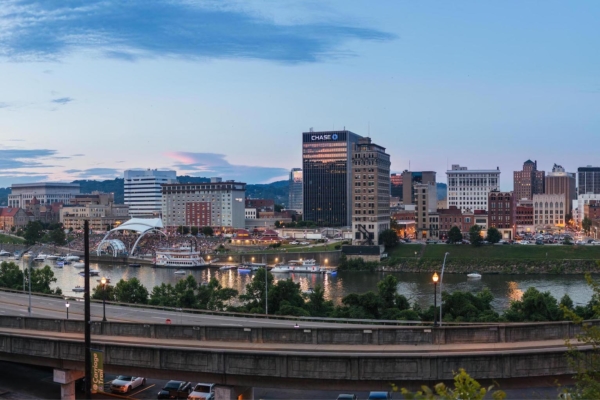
{"x": 67, "y": 306}
{"x": 441, "y": 279}
{"x": 435, "y": 281}
{"x": 104, "y": 281}
{"x": 415, "y": 255}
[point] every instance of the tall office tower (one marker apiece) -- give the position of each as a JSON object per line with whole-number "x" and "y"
{"x": 426, "y": 216}
{"x": 295, "y": 197}
{"x": 396, "y": 186}
{"x": 410, "y": 179}
{"x": 529, "y": 181}
{"x": 217, "y": 204}
{"x": 143, "y": 191}
{"x": 560, "y": 182}
{"x": 45, "y": 193}
{"x": 588, "y": 180}
{"x": 371, "y": 191}
{"x": 469, "y": 189}
{"x": 327, "y": 177}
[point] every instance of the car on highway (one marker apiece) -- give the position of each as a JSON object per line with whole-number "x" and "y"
{"x": 175, "y": 390}
{"x": 202, "y": 391}
{"x": 379, "y": 395}
{"x": 126, "y": 383}
{"x": 347, "y": 396}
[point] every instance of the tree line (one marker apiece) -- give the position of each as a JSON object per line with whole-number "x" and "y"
{"x": 12, "y": 277}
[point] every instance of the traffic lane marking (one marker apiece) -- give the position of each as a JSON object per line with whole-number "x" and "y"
{"x": 144, "y": 389}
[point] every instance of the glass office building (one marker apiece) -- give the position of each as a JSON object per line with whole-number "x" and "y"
{"x": 327, "y": 177}
{"x": 589, "y": 180}
{"x": 295, "y": 196}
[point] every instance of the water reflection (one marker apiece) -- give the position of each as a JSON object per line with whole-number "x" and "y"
{"x": 416, "y": 287}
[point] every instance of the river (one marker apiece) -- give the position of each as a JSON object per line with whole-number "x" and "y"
{"x": 416, "y": 287}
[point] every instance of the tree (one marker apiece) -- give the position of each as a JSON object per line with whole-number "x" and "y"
{"x": 278, "y": 207}
{"x": 33, "y": 232}
{"x": 286, "y": 290}
{"x": 317, "y": 306}
{"x": 185, "y": 292}
{"x": 41, "y": 278}
{"x": 208, "y": 231}
{"x": 58, "y": 237}
{"x": 586, "y": 225}
{"x": 254, "y": 297}
{"x": 455, "y": 235}
{"x": 183, "y": 230}
{"x": 219, "y": 295}
{"x": 163, "y": 295}
{"x": 131, "y": 291}
{"x": 534, "y": 306}
{"x": 475, "y": 235}
{"x": 11, "y": 276}
{"x": 389, "y": 238}
{"x": 277, "y": 224}
{"x": 493, "y": 235}
{"x": 100, "y": 293}
{"x": 460, "y": 306}
{"x": 195, "y": 230}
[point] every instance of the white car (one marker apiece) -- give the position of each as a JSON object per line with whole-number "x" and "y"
{"x": 595, "y": 242}
{"x": 294, "y": 242}
{"x": 304, "y": 243}
{"x": 202, "y": 391}
{"x": 126, "y": 383}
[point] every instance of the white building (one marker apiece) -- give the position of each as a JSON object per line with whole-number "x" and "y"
{"x": 579, "y": 206}
{"x": 295, "y": 196}
{"x": 143, "y": 191}
{"x": 215, "y": 204}
{"x": 549, "y": 211}
{"x": 250, "y": 213}
{"x": 46, "y": 192}
{"x": 468, "y": 189}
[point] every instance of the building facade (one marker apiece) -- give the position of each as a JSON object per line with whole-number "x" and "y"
{"x": 588, "y": 179}
{"x": 396, "y": 188}
{"x": 46, "y": 193}
{"x": 425, "y": 201}
{"x": 410, "y": 179}
{"x": 560, "y": 182}
{"x": 524, "y": 216}
{"x": 582, "y": 200}
{"x": 102, "y": 217}
{"x": 549, "y": 211}
{"x": 501, "y": 213}
{"x": 371, "y": 197}
{"x": 469, "y": 189}
{"x": 453, "y": 216}
{"x": 13, "y": 217}
{"x": 143, "y": 193}
{"x": 327, "y": 177}
{"x": 528, "y": 181}
{"x": 295, "y": 196}
{"x": 226, "y": 200}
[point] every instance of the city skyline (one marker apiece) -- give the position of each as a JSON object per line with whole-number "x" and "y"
{"x": 469, "y": 78}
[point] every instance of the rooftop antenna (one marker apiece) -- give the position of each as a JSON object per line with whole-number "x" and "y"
{"x": 369, "y": 129}
{"x": 311, "y": 129}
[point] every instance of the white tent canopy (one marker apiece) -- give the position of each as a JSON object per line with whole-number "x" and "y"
{"x": 139, "y": 225}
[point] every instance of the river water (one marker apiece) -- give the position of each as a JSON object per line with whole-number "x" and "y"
{"x": 416, "y": 287}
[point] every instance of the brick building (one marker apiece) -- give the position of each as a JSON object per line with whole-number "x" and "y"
{"x": 529, "y": 181}
{"x": 12, "y": 216}
{"x": 501, "y": 213}
{"x": 453, "y": 216}
{"x": 198, "y": 213}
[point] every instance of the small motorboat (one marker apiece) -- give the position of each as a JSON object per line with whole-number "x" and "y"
{"x": 309, "y": 291}
{"x": 71, "y": 257}
{"x": 332, "y": 272}
{"x": 59, "y": 264}
{"x": 78, "y": 289}
{"x": 135, "y": 265}
{"x": 40, "y": 257}
{"x": 179, "y": 272}
{"x": 227, "y": 267}
{"x": 474, "y": 275}
{"x": 52, "y": 257}
{"x": 79, "y": 265}
{"x": 244, "y": 270}
{"x": 4, "y": 253}
{"x": 93, "y": 272}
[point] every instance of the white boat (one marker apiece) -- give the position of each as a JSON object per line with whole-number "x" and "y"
{"x": 93, "y": 272}
{"x": 179, "y": 257}
{"x": 253, "y": 266}
{"x": 59, "y": 264}
{"x": 304, "y": 266}
{"x": 309, "y": 291}
{"x": 4, "y": 253}
{"x": 474, "y": 275}
{"x": 71, "y": 257}
{"x": 52, "y": 257}
{"x": 40, "y": 257}
{"x": 179, "y": 272}
{"x": 227, "y": 267}
{"x": 79, "y": 265}
{"x": 78, "y": 289}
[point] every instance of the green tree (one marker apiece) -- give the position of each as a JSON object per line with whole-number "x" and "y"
{"x": 534, "y": 306}
{"x": 455, "y": 235}
{"x": 460, "y": 306}
{"x": 163, "y": 295}
{"x": 475, "y": 235}
{"x": 388, "y": 238}
{"x": 58, "y": 237}
{"x": 11, "y": 276}
{"x": 254, "y": 298}
{"x": 465, "y": 387}
{"x": 100, "y": 293}
{"x": 195, "y": 230}
{"x": 317, "y": 306}
{"x": 493, "y": 235}
{"x": 586, "y": 225}
{"x": 41, "y": 279}
{"x": 219, "y": 296}
{"x": 278, "y": 207}
{"x": 185, "y": 292}
{"x": 131, "y": 291}
{"x": 208, "y": 231}
{"x": 285, "y": 290}
{"x": 33, "y": 232}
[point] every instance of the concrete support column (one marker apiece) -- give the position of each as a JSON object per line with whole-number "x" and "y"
{"x": 67, "y": 391}
{"x": 67, "y": 378}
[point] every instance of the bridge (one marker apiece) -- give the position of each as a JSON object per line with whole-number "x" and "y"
{"x": 320, "y": 355}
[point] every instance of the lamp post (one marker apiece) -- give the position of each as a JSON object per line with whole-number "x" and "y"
{"x": 104, "y": 281}
{"x": 441, "y": 280}
{"x": 67, "y": 306}
{"x": 435, "y": 281}
{"x": 415, "y": 255}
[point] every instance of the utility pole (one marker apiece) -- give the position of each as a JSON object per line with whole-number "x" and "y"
{"x": 266, "y": 291}
{"x": 87, "y": 314}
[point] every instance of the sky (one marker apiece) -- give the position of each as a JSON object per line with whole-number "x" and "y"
{"x": 89, "y": 88}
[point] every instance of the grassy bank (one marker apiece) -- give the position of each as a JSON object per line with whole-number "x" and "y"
{"x": 10, "y": 239}
{"x": 294, "y": 249}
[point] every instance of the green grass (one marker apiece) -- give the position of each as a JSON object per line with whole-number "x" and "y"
{"x": 296, "y": 249}
{"x": 10, "y": 239}
{"x": 462, "y": 251}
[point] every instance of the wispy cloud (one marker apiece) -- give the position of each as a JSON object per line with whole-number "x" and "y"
{"x": 62, "y": 100}
{"x": 211, "y": 164}
{"x": 16, "y": 159}
{"x": 6, "y": 180}
{"x": 135, "y": 29}
{"x": 95, "y": 173}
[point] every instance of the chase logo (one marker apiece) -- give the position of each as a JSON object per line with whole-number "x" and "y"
{"x": 334, "y": 136}
{"x": 324, "y": 137}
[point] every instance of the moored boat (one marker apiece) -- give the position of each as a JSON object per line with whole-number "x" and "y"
{"x": 179, "y": 257}
{"x": 474, "y": 275}
{"x": 78, "y": 289}
{"x": 304, "y": 266}
{"x": 4, "y": 253}
{"x": 78, "y": 265}
{"x": 227, "y": 267}
{"x": 179, "y": 272}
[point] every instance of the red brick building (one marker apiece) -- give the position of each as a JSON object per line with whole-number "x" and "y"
{"x": 502, "y": 213}
{"x": 13, "y": 216}
{"x": 261, "y": 204}
{"x": 198, "y": 213}
{"x": 449, "y": 217}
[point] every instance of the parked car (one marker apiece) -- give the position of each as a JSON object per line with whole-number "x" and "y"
{"x": 304, "y": 243}
{"x": 126, "y": 383}
{"x": 431, "y": 241}
{"x": 175, "y": 390}
{"x": 294, "y": 242}
{"x": 202, "y": 391}
{"x": 595, "y": 242}
{"x": 347, "y": 397}
{"x": 379, "y": 395}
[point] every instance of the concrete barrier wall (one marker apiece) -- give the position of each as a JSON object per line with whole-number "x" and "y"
{"x": 382, "y": 335}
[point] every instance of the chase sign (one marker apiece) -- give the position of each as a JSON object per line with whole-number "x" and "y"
{"x": 319, "y": 137}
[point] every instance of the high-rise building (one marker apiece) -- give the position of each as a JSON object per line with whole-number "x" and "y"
{"x": 217, "y": 204}
{"x": 502, "y": 207}
{"x": 371, "y": 197}
{"x": 396, "y": 186}
{"x": 45, "y": 193}
{"x": 426, "y": 216}
{"x": 588, "y": 180}
{"x": 560, "y": 182}
{"x": 410, "y": 179}
{"x": 295, "y": 197}
{"x": 143, "y": 193}
{"x": 529, "y": 181}
{"x": 327, "y": 177}
{"x": 469, "y": 189}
